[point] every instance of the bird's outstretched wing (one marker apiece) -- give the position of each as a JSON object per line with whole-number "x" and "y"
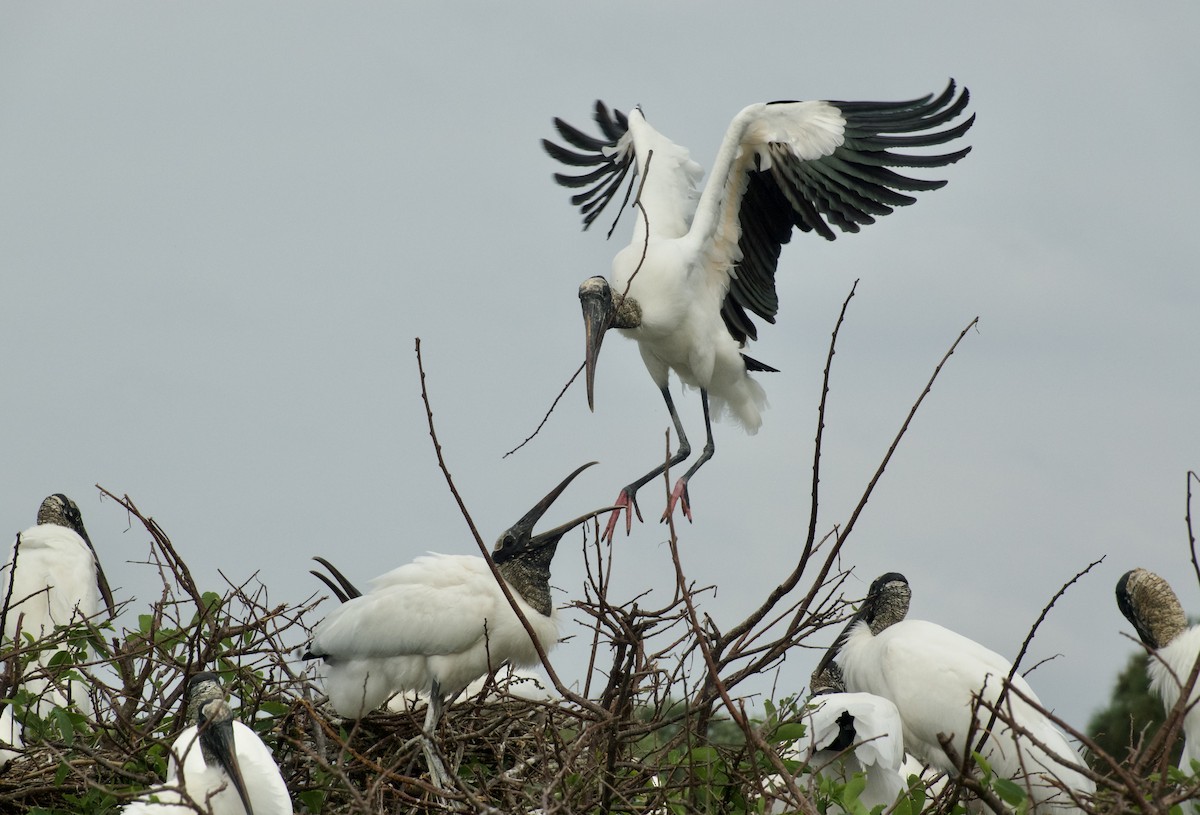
{"x": 610, "y": 156}
{"x": 798, "y": 171}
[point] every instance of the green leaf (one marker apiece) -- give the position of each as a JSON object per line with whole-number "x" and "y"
{"x": 66, "y": 727}
{"x": 1009, "y": 791}
{"x": 313, "y": 800}
{"x": 788, "y": 732}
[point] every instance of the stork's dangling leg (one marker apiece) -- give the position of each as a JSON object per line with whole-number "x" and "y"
{"x": 433, "y": 714}
{"x": 627, "y": 500}
{"x": 680, "y": 493}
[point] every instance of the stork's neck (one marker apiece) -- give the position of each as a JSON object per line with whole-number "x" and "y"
{"x": 889, "y": 608}
{"x": 627, "y": 313}
{"x": 529, "y": 575}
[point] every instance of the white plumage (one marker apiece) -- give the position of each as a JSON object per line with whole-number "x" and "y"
{"x": 205, "y": 779}
{"x": 710, "y": 256}
{"x": 438, "y": 623}
{"x": 440, "y": 617}
{"x": 1148, "y": 602}
{"x": 56, "y": 581}
{"x": 932, "y": 675}
{"x": 869, "y": 728}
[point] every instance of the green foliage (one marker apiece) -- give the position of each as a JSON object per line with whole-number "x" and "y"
{"x": 1133, "y": 710}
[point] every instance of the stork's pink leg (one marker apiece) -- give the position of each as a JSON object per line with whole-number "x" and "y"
{"x": 679, "y": 495}
{"x": 627, "y": 502}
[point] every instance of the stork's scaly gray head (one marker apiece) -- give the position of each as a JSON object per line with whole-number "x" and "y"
{"x": 885, "y": 605}
{"x": 524, "y": 558}
{"x": 1148, "y": 602}
{"x": 602, "y": 310}
{"x": 214, "y": 722}
{"x": 60, "y": 510}
{"x": 887, "y": 602}
{"x": 829, "y": 680}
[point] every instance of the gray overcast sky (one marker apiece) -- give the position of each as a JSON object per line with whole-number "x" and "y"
{"x": 223, "y": 224}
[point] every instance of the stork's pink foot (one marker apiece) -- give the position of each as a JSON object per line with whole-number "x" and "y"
{"x": 627, "y": 502}
{"x": 679, "y": 495}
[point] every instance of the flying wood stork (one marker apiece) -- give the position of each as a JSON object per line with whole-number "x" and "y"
{"x": 52, "y": 578}
{"x": 227, "y": 770}
{"x": 700, "y": 263}
{"x": 934, "y": 676}
{"x": 1148, "y": 602}
{"x": 441, "y": 621}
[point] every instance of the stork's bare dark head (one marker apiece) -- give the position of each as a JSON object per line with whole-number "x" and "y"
{"x": 595, "y": 297}
{"x": 524, "y": 558}
{"x": 214, "y": 722}
{"x": 60, "y": 510}
{"x": 885, "y": 605}
{"x": 1148, "y": 601}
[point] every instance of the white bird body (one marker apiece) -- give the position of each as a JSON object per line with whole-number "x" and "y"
{"x": 218, "y": 764}
{"x": 55, "y": 582}
{"x": 442, "y": 621}
{"x": 455, "y": 617}
{"x": 933, "y": 675}
{"x": 1168, "y": 671}
{"x": 699, "y": 259}
{"x": 878, "y": 743}
{"x": 906, "y": 661}
{"x": 209, "y": 786}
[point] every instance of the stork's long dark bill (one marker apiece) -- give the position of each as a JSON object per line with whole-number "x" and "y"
{"x": 557, "y": 532}
{"x": 596, "y": 301}
{"x": 217, "y": 736}
{"x": 836, "y": 648}
{"x": 101, "y": 580}
{"x": 523, "y": 529}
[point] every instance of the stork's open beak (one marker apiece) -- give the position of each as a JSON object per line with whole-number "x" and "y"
{"x": 216, "y": 734}
{"x": 520, "y": 537}
{"x": 595, "y": 297}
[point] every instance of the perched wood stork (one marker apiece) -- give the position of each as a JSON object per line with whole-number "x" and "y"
{"x": 851, "y": 733}
{"x": 514, "y": 681}
{"x": 227, "y": 770}
{"x": 52, "y": 578}
{"x": 1148, "y": 602}
{"x": 933, "y": 676}
{"x": 700, "y": 261}
{"x": 441, "y": 621}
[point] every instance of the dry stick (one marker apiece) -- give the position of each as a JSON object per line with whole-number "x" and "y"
{"x": 546, "y": 418}
{"x": 849, "y": 526}
{"x": 12, "y": 575}
{"x": 790, "y": 582}
{"x": 487, "y": 556}
{"x": 637, "y": 202}
{"x": 1188, "y": 517}
{"x": 738, "y": 716}
{"x": 987, "y": 730}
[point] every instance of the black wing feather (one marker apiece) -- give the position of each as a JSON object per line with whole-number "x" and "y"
{"x": 612, "y": 166}
{"x": 848, "y": 189}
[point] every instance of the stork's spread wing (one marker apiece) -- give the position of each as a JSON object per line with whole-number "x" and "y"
{"x": 846, "y": 186}
{"x": 610, "y": 156}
